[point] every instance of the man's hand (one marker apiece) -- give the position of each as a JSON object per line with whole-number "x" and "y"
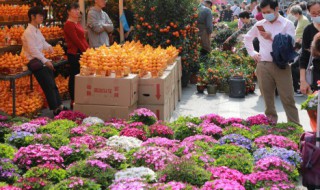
{"x": 227, "y": 40}
{"x": 50, "y": 49}
{"x": 257, "y": 58}
{"x": 49, "y": 65}
{"x": 126, "y": 35}
{"x": 266, "y": 35}
{"x": 305, "y": 87}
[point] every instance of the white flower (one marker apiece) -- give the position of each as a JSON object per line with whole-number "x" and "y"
{"x": 138, "y": 172}
{"x": 92, "y": 121}
{"x": 124, "y": 143}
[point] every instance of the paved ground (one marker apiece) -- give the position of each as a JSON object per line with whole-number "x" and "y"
{"x": 196, "y": 104}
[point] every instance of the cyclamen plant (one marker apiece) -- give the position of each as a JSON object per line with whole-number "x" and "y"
{"x": 259, "y": 179}
{"x": 154, "y": 157}
{"x": 9, "y": 172}
{"x": 277, "y": 141}
{"x": 213, "y": 118}
{"x": 169, "y": 144}
{"x": 137, "y": 172}
{"x": 258, "y": 120}
{"x": 90, "y": 140}
{"x": 131, "y": 183}
{"x": 26, "y": 127}
{"x": 71, "y": 115}
{"x": 273, "y": 162}
{"x": 143, "y": 115}
{"x": 236, "y": 140}
{"x": 111, "y": 157}
{"x": 211, "y": 129}
{"x": 227, "y": 173}
{"x": 158, "y": 130}
{"x": 134, "y": 132}
{"x": 289, "y": 156}
{"x": 74, "y": 152}
{"x": 37, "y": 154}
{"x": 222, "y": 184}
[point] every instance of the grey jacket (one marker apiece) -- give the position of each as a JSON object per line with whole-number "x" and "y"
{"x": 205, "y": 19}
{"x": 99, "y": 25}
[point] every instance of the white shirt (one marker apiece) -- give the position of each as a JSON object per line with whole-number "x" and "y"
{"x": 33, "y": 43}
{"x": 255, "y": 11}
{"x": 236, "y": 10}
{"x": 281, "y": 25}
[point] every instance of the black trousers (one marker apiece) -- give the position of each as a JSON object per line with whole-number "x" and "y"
{"x": 45, "y": 78}
{"x": 295, "y": 69}
{"x": 74, "y": 70}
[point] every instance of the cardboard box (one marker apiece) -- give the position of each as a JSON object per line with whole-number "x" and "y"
{"x": 162, "y": 111}
{"x": 174, "y": 68}
{"x": 172, "y": 103}
{"x": 109, "y": 91}
{"x": 176, "y": 97}
{"x": 179, "y": 90}
{"x": 154, "y": 91}
{"x": 179, "y": 64}
{"x": 105, "y": 112}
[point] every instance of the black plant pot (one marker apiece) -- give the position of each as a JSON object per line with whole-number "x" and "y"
{"x": 201, "y": 88}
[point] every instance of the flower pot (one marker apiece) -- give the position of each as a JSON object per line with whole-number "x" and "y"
{"x": 193, "y": 79}
{"x": 201, "y": 88}
{"x": 185, "y": 79}
{"x": 313, "y": 119}
{"x": 212, "y": 89}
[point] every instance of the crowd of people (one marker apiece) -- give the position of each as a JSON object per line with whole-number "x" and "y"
{"x": 291, "y": 69}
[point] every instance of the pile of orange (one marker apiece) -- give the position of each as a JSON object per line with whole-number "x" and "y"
{"x": 14, "y": 13}
{"x": 62, "y": 84}
{"x": 131, "y": 57}
{"x": 12, "y": 64}
{"x": 52, "y": 32}
{"x": 15, "y": 34}
{"x": 57, "y": 55}
{"x": 26, "y": 102}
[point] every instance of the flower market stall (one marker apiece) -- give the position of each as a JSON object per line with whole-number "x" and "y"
{"x": 74, "y": 151}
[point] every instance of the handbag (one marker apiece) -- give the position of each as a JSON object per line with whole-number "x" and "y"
{"x": 35, "y": 65}
{"x": 309, "y": 71}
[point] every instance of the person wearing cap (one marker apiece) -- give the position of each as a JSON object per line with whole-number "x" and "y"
{"x": 33, "y": 43}
{"x": 205, "y": 25}
{"x": 99, "y": 25}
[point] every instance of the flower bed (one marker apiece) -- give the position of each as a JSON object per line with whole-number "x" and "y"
{"x": 209, "y": 152}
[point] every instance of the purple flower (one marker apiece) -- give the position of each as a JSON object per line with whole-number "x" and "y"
{"x": 236, "y": 139}
{"x": 27, "y": 127}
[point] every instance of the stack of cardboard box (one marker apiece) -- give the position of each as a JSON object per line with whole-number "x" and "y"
{"x": 106, "y": 97}
{"x": 160, "y": 95}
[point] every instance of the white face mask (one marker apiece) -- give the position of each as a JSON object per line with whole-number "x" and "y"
{"x": 316, "y": 19}
{"x": 269, "y": 17}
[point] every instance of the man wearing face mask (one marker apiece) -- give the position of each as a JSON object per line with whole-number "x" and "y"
{"x": 270, "y": 76}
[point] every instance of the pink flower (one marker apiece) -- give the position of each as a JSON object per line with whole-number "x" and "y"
{"x": 90, "y": 140}
{"x": 258, "y": 120}
{"x": 270, "y": 175}
{"x": 267, "y": 163}
{"x": 227, "y": 173}
{"x": 134, "y": 132}
{"x": 275, "y": 140}
{"x": 222, "y": 184}
{"x": 211, "y": 129}
{"x": 171, "y": 145}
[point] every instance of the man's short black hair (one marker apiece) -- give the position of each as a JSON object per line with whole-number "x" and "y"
{"x": 38, "y": 10}
{"x": 208, "y": 2}
{"x": 312, "y": 3}
{"x": 244, "y": 14}
{"x": 74, "y": 5}
{"x": 303, "y": 6}
{"x": 272, "y": 3}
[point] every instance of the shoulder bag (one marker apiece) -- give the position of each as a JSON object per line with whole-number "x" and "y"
{"x": 35, "y": 65}
{"x": 309, "y": 71}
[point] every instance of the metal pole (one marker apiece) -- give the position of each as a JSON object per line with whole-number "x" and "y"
{"x": 121, "y": 26}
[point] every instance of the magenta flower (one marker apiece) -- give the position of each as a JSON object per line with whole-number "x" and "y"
{"x": 40, "y": 121}
{"x": 90, "y": 140}
{"x": 211, "y": 129}
{"x": 99, "y": 164}
{"x": 129, "y": 183}
{"x": 189, "y": 144}
{"x": 240, "y": 126}
{"x": 258, "y": 120}
{"x": 232, "y": 120}
{"x": 265, "y": 176}
{"x": 227, "y": 173}
{"x": 37, "y": 154}
{"x": 155, "y": 158}
{"x": 27, "y": 127}
{"x": 79, "y": 131}
{"x": 222, "y": 184}
{"x": 274, "y": 162}
{"x": 134, "y": 132}
{"x": 169, "y": 144}
{"x": 277, "y": 141}
{"x": 9, "y": 187}
{"x": 161, "y": 131}
{"x": 213, "y": 118}
{"x": 71, "y": 115}
{"x": 143, "y": 112}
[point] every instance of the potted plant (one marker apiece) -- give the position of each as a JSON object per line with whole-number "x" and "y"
{"x": 213, "y": 80}
{"x": 201, "y": 85}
